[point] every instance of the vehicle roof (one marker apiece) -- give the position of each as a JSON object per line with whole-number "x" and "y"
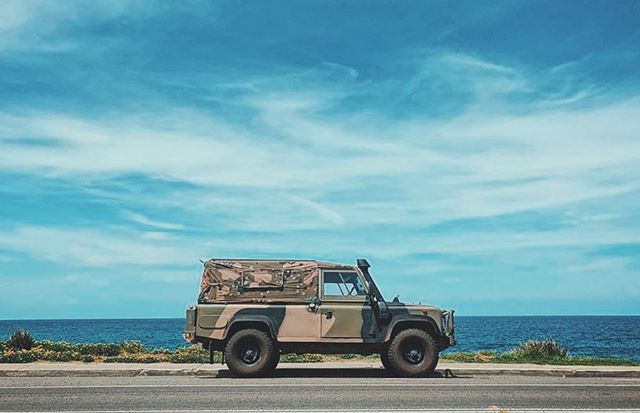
{"x": 268, "y": 262}
{"x": 262, "y": 280}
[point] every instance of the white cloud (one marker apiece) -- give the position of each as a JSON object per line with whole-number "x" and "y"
{"x": 36, "y": 25}
{"x": 326, "y": 213}
{"x": 141, "y": 219}
{"x": 113, "y": 247}
{"x": 86, "y": 246}
{"x": 86, "y": 280}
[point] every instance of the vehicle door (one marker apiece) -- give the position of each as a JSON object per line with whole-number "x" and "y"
{"x": 344, "y": 307}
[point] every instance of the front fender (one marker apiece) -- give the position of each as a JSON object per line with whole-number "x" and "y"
{"x": 412, "y": 321}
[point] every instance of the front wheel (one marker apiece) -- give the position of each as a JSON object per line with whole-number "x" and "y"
{"x": 276, "y": 360}
{"x": 250, "y": 353}
{"x": 412, "y": 353}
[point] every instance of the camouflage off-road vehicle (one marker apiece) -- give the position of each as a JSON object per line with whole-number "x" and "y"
{"x": 255, "y": 310}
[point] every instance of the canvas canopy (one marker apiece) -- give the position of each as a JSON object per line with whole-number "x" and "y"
{"x": 231, "y": 280}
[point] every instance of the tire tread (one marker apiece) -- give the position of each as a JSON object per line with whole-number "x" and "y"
{"x": 398, "y": 366}
{"x": 262, "y": 368}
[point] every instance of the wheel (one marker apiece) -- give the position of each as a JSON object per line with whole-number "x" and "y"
{"x": 384, "y": 358}
{"x": 276, "y": 360}
{"x": 250, "y": 353}
{"x": 433, "y": 365}
{"x": 412, "y": 353}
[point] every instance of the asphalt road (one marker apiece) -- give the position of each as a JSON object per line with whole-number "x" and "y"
{"x": 308, "y": 389}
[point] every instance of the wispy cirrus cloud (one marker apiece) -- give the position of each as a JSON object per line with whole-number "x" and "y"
{"x": 143, "y": 220}
{"x": 90, "y": 246}
{"x": 488, "y": 164}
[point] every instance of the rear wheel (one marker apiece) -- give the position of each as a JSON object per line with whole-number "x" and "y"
{"x": 250, "y": 353}
{"x": 412, "y": 353}
{"x": 384, "y": 358}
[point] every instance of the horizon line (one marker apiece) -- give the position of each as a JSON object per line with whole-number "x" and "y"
{"x": 457, "y": 315}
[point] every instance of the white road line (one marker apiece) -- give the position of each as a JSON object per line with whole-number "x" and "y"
{"x": 492, "y": 410}
{"x": 412, "y": 386}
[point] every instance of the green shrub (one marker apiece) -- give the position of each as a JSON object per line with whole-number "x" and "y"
{"x": 301, "y": 358}
{"x": 58, "y": 346}
{"x": 87, "y": 358}
{"x": 59, "y": 356}
{"x": 599, "y": 361}
{"x": 21, "y": 340}
{"x": 99, "y": 349}
{"x": 536, "y": 352}
{"x": 531, "y": 351}
{"x": 539, "y": 349}
{"x": 192, "y": 354}
{"x": 311, "y": 358}
{"x": 21, "y": 356}
{"x": 42, "y": 353}
{"x": 291, "y": 358}
{"x": 478, "y": 357}
{"x": 94, "y": 349}
{"x": 133, "y": 347}
{"x": 133, "y": 358}
{"x": 357, "y": 357}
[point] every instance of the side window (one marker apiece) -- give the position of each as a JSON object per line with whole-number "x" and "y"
{"x": 343, "y": 284}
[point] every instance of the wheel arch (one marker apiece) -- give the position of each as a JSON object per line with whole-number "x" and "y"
{"x": 425, "y": 323}
{"x": 242, "y": 322}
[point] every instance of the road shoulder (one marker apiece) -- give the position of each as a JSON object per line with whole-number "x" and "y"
{"x": 78, "y": 369}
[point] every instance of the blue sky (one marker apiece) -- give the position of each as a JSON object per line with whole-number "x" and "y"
{"x": 483, "y": 155}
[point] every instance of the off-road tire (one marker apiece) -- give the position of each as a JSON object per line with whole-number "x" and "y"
{"x": 436, "y": 360}
{"x": 412, "y": 353}
{"x": 384, "y": 358}
{"x": 250, "y": 353}
{"x": 276, "y": 360}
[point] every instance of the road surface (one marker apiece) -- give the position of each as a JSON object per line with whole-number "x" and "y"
{"x": 313, "y": 390}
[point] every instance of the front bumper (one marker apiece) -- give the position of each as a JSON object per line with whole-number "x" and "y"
{"x": 448, "y": 326}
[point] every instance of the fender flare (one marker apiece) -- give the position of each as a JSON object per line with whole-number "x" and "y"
{"x": 254, "y": 319}
{"x": 413, "y": 320}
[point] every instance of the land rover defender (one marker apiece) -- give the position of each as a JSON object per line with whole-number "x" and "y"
{"x": 255, "y": 310}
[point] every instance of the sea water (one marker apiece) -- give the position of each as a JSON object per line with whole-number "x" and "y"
{"x": 605, "y": 336}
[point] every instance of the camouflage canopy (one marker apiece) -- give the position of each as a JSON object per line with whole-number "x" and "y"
{"x": 262, "y": 281}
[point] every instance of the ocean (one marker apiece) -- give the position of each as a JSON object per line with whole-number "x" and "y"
{"x": 610, "y": 336}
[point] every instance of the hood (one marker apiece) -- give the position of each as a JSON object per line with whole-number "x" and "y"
{"x": 416, "y": 307}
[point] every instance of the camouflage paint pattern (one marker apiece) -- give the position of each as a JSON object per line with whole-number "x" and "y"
{"x": 253, "y": 281}
{"x": 350, "y": 322}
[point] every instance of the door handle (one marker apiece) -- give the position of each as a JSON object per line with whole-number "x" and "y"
{"x": 329, "y": 314}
